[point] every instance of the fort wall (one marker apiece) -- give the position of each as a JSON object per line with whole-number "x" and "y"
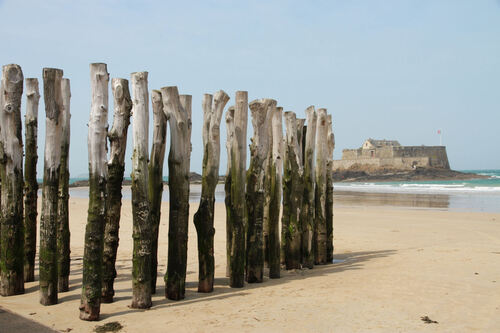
{"x": 398, "y": 157}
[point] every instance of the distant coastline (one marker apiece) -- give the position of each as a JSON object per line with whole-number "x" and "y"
{"x": 351, "y": 175}
{"x": 394, "y": 175}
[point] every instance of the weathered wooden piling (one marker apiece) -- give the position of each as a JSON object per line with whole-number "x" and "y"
{"x": 261, "y": 111}
{"x": 292, "y": 194}
{"x": 204, "y": 217}
{"x": 116, "y": 167}
{"x": 238, "y": 206}
{"x": 156, "y": 178}
{"x": 267, "y": 193}
{"x": 273, "y": 249}
{"x": 307, "y": 213}
{"x": 329, "y": 191}
{"x": 63, "y": 233}
{"x": 320, "y": 233}
{"x": 178, "y": 112}
{"x": 11, "y": 173}
{"x": 30, "y": 182}
{"x": 98, "y": 176}
{"x": 141, "y": 234}
{"x": 227, "y": 184}
{"x": 52, "y": 94}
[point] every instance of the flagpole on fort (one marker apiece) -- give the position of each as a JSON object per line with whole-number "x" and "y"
{"x": 440, "y": 138}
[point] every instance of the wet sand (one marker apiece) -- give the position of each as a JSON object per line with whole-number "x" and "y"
{"x": 394, "y": 265}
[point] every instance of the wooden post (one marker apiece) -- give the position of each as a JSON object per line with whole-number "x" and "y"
{"x": 30, "y": 182}
{"x": 238, "y": 205}
{"x": 178, "y": 183}
{"x": 307, "y": 216}
{"x": 204, "y": 217}
{"x": 261, "y": 111}
{"x": 300, "y": 137}
{"x": 98, "y": 176}
{"x": 227, "y": 185}
{"x": 52, "y": 160}
{"x": 292, "y": 194}
{"x": 11, "y": 173}
{"x": 275, "y": 190}
{"x": 156, "y": 178}
{"x": 186, "y": 104}
{"x": 141, "y": 257}
{"x": 116, "y": 167}
{"x": 320, "y": 190}
{"x": 63, "y": 233}
{"x": 267, "y": 166}
{"x": 329, "y": 191}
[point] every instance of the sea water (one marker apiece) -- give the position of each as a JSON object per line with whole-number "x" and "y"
{"x": 462, "y": 195}
{"x": 490, "y": 185}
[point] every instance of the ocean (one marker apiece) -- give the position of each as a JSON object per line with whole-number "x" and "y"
{"x": 480, "y": 195}
{"x": 483, "y": 186}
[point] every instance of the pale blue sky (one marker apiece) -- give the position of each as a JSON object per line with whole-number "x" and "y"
{"x": 394, "y": 69}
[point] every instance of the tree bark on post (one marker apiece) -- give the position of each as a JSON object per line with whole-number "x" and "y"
{"x": 179, "y": 118}
{"x": 238, "y": 204}
{"x": 63, "y": 233}
{"x": 261, "y": 111}
{"x": 30, "y": 182}
{"x": 307, "y": 217}
{"x": 98, "y": 176}
{"x": 156, "y": 178}
{"x": 11, "y": 173}
{"x": 204, "y": 217}
{"x": 320, "y": 233}
{"x": 329, "y": 191}
{"x": 292, "y": 194}
{"x": 141, "y": 257}
{"x": 227, "y": 185}
{"x": 116, "y": 167}
{"x": 52, "y": 160}
{"x": 275, "y": 190}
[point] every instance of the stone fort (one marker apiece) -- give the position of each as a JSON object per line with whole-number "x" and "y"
{"x": 389, "y": 153}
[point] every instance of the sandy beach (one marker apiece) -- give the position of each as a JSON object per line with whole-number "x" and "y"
{"x": 393, "y": 265}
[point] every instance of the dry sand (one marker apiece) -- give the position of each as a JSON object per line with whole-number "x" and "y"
{"x": 395, "y": 266}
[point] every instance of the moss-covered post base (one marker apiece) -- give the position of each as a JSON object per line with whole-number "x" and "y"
{"x": 206, "y": 234}
{"x": 90, "y": 306}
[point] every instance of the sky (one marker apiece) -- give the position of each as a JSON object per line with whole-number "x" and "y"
{"x": 385, "y": 69}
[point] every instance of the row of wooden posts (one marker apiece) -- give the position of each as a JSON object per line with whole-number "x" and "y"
{"x": 297, "y": 166}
